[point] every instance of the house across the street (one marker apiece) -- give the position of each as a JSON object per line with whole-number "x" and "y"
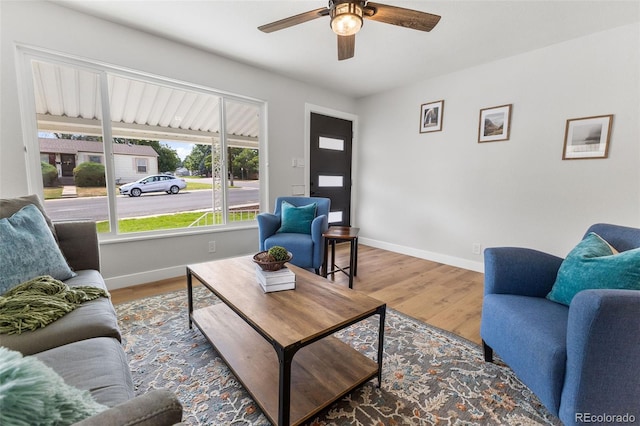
{"x": 131, "y": 162}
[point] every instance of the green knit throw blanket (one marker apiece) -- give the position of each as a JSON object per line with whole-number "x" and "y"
{"x": 41, "y": 301}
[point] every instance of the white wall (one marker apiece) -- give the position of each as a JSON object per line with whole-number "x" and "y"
{"x": 432, "y": 195}
{"x": 436, "y": 194}
{"x": 126, "y": 167}
{"x": 50, "y": 26}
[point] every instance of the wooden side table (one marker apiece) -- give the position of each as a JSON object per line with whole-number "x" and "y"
{"x": 341, "y": 233}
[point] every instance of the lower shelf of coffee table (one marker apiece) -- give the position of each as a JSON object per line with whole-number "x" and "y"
{"x": 321, "y": 372}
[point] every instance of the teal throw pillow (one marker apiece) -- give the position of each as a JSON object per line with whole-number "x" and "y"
{"x": 594, "y": 264}
{"x": 296, "y": 220}
{"x": 28, "y": 249}
{"x": 32, "y": 393}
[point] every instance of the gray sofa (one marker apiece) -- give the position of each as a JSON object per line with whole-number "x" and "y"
{"x": 84, "y": 346}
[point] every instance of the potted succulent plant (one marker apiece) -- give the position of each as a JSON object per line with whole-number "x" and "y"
{"x": 273, "y": 259}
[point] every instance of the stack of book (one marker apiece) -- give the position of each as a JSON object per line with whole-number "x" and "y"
{"x": 282, "y": 279}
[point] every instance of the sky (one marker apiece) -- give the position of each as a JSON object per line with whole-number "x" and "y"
{"x": 183, "y": 149}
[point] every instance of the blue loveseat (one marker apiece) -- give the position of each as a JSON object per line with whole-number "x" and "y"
{"x": 580, "y": 360}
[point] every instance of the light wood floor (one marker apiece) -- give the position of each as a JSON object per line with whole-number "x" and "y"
{"x": 444, "y": 296}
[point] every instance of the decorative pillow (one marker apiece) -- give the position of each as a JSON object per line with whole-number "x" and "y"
{"x": 31, "y": 393}
{"x": 9, "y": 206}
{"x": 594, "y": 264}
{"x": 296, "y": 220}
{"x": 28, "y": 250}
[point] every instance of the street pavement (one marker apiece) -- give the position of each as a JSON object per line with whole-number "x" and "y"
{"x": 96, "y": 208}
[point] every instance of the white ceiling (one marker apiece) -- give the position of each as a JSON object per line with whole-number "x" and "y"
{"x": 387, "y": 56}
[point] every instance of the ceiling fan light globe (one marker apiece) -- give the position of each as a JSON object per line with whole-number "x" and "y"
{"x": 346, "y": 18}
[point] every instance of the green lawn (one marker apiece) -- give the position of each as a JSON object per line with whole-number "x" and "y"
{"x": 198, "y": 185}
{"x": 172, "y": 221}
{"x": 52, "y": 193}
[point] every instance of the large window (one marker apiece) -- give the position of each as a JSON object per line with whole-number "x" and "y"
{"x": 179, "y": 155}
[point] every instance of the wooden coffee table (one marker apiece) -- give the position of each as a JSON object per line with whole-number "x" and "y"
{"x": 279, "y": 344}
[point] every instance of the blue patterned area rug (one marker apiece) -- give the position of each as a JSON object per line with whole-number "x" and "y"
{"x": 430, "y": 377}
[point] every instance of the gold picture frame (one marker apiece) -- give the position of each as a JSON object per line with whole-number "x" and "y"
{"x": 587, "y": 137}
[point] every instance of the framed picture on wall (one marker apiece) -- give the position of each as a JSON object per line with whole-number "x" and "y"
{"x": 431, "y": 116}
{"x": 495, "y": 124}
{"x": 587, "y": 137}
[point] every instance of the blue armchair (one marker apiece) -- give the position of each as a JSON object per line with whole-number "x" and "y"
{"x": 580, "y": 359}
{"x": 307, "y": 248}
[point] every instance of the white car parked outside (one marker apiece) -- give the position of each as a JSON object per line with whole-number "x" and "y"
{"x": 153, "y": 183}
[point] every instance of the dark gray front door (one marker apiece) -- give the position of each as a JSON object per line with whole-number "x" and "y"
{"x": 330, "y": 164}
{"x": 68, "y": 164}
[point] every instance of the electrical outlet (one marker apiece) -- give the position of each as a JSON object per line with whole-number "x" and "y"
{"x": 476, "y": 248}
{"x": 212, "y": 246}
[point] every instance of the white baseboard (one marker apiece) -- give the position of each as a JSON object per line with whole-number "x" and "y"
{"x": 130, "y": 280}
{"x": 424, "y": 254}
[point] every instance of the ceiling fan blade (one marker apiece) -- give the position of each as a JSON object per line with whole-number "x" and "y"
{"x": 294, "y": 20}
{"x": 346, "y": 47}
{"x": 400, "y": 16}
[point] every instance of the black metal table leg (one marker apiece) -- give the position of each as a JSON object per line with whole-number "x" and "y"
{"x": 355, "y": 257}
{"x": 325, "y": 265}
{"x": 352, "y": 260}
{"x": 333, "y": 255}
{"x": 382, "y": 311}
{"x": 190, "y": 296}
{"x": 285, "y": 358}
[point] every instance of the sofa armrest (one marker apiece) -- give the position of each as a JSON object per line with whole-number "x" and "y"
{"x": 79, "y": 244}
{"x": 603, "y": 341}
{"x": 155, "y": 408}
{"x": 268, "y": 224}
{"x": 519, "y": 271}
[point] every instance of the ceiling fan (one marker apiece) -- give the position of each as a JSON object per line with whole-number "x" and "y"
{"x": 347, "y": 19}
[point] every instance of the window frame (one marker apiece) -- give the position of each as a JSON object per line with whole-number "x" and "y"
{"x": 26, "y": 94}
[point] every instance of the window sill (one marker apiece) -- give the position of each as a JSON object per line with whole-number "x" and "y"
{"x": 105, "y": 239}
